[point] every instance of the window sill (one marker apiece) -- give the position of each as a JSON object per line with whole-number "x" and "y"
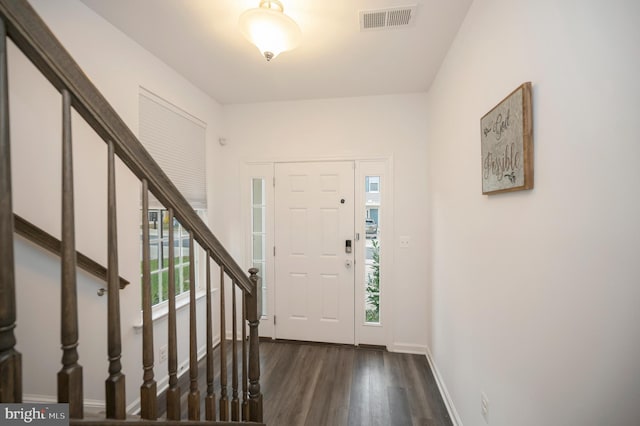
{"x": 161, "y": 310}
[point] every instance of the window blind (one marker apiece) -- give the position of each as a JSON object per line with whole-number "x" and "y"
{"x": 176, "y": 141}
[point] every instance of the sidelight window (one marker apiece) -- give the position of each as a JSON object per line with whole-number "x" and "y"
{"x": 372, "y": 249}
{"x": 259, "y": 234}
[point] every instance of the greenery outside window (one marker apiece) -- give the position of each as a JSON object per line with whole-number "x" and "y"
{"x": 159, "y": 230}
{"x": 372, "y": 290}
{"x": 373, "y": 201}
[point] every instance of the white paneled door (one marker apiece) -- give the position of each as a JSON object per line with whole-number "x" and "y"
{"x": 314, "y": 271}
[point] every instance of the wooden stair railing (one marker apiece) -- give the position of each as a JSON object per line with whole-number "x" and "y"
{"x": 21, "y": 23}
{"x": 39, "y": 236}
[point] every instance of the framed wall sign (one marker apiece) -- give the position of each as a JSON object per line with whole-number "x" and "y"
{"x": 507, "y": 144}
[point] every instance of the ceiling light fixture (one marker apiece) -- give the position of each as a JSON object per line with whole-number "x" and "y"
{"x": 270, "y": 29}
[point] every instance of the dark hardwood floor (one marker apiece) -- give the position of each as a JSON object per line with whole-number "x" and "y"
{"x": 313, "y": 384}
{"x": 318, "y": 384}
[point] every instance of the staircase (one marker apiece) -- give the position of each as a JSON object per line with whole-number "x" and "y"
{"x": 30, "y": 34}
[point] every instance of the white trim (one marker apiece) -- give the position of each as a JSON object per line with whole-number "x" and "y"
{"x": 134, "y": 407}
{"x": 163, "y": 384}
{"x": 171, "y": 106}
{"x": 448, "y": 402}
{"x": 229, "y": 334}
{"x": 161, "y": 310}
{"x": 91, "y": 404}
{"x": 408, "y": 348}
{"x": 183, "y": 367}
{"x": 97, "y": 406}
{"x": 317, "y": 159}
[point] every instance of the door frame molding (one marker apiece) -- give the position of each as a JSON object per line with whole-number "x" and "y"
{"x": 264, "y": 168}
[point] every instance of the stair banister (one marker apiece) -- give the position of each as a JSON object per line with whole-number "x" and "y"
{"x": 21, "y": 23}
{"x": 10, "y": 358}
{"x": 149, "y": 387}
{"x": 37, "y": 42}
{"x": 38, "y": 236}
{"x": 70, "y": 376}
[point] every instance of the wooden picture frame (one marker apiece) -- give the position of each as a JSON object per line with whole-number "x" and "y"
{"x": 507, "y": 144}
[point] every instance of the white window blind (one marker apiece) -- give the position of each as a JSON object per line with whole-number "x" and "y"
{"x": 176, "y": 140}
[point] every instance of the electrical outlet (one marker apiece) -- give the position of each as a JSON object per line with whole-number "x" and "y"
{"x": 404, "y": 241}
{"x": 484, "y": 407}
{"x": 164, "y": 353}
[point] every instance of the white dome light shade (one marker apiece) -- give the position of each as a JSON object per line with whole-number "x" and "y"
{"x": 270, "y": 29}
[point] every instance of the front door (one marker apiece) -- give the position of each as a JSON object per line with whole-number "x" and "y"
{"x": 314, "y": 272}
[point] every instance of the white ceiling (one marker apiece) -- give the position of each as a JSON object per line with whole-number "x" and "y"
{"x": 201, "y": 40}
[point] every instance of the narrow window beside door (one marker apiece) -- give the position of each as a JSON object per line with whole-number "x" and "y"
{"x": 259, "y": 234}
{"x": 372, "y": 249}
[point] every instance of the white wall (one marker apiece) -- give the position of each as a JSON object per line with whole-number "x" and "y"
{"x": 535, "y": 293}
{"x": 384, "y": 126}
{"x": 118, "y": 67}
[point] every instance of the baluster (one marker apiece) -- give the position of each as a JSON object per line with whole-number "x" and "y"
{"x": 148, "y": 398}
{"x": 224, "y": 400}
{"x": 115, "y": 383}
{"x": 70, "y": 376}
{"x": 173, "y": 393}
{"x": 253, "y": 318}
{"x": 10, "y": 359}
{"x": 245, "y": 403}
{"x": 235, "y": 405}
{"x": 210, "y": 399}
{"x": 194, "y": 392}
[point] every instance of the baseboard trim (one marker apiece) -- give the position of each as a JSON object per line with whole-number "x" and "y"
{"x": 98, "y": 406}
{"x": 448, "y": 402}
{"x": 163, "y": 384}
{"x": 90, "y": 404}
{"x": 408, "y": 348}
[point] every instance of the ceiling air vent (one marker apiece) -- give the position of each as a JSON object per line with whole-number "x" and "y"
{"x": 387, "y": 18}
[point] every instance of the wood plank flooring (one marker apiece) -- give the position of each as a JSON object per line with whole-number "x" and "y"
{"x": 336, "y": 385}
{"x": 312, "y": 384}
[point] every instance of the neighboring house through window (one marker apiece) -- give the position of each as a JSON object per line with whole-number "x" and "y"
{"x": 159, "y": 229}
{"x": 372, "y": 184}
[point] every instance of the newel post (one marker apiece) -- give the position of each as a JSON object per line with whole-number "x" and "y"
{"x": 253, "y": 310}
{"x": 10, "y": 359}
